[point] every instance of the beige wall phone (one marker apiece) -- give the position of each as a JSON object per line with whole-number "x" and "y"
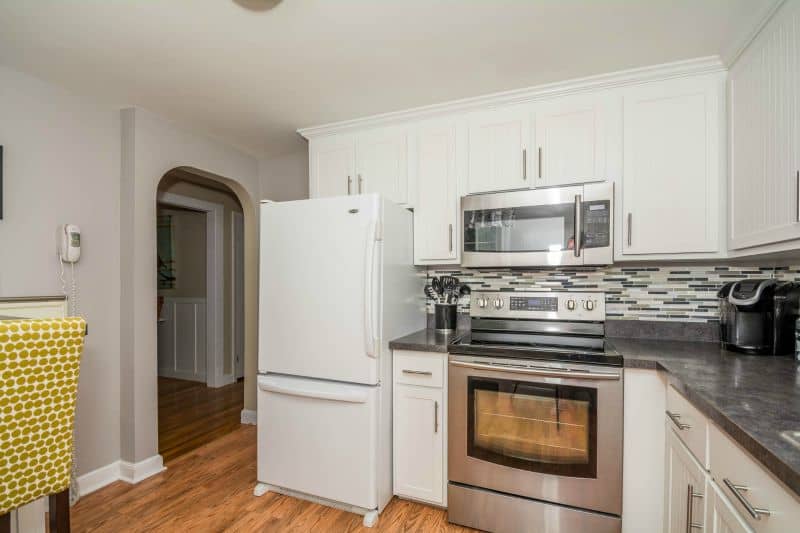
{"x": 69, "y": 251}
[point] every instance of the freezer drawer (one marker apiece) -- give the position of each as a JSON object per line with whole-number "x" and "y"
{"x": 319, "y": 438}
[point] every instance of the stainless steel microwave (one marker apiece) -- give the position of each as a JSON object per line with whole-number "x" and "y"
{"x": 537, "y": 227}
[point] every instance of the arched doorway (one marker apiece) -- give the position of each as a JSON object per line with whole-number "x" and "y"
{"x": 200, "y": 306}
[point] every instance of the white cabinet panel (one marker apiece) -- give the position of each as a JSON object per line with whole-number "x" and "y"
{"x": 570, "y": 141}
{"x": 498, "y": 150}
{"x": 764, "y": 135}
{"x": 685, "y": 486}
{"x": 382, "y": 164}
{"x": 332, "y": 166}
{"x": 419, "y": 442}
{"x": 721, "y": 517}
{"x": 671, "y": 169}
{"x": 436, "y": 211}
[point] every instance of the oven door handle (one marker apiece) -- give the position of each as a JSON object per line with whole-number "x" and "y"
{"x": 540, "y": 371}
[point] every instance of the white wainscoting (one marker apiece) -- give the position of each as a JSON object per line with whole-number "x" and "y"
{"x": 182, "y": 339}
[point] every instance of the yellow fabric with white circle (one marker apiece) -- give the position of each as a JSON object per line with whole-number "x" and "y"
{"x": 39, "y": 366}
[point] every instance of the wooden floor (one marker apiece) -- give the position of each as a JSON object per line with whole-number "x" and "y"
{"x": 211, "y": 489}
{"x": 191, "y": 414}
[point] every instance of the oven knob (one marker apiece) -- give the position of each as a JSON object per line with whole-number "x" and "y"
{"x": 571, "y": 305}
{"x": 498, "y": 303}
{"x": 589, "y": 305}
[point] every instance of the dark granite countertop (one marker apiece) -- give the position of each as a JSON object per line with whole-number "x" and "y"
{"x": 755, "y": 400}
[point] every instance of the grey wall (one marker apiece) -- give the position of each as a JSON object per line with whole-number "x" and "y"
{"x": 285, "y": 177}
{"x": 62, "y": 165}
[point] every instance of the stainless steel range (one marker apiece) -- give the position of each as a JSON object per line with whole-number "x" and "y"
{"x": 535, "y": 416}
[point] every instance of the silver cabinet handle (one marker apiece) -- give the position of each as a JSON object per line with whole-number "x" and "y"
{"x": 417, "y": 372}
{"x": 540, "y": 162}
{"x": 349, "y": 184}
{"x": 360, "y": 183}
{"x": 578, "y": 225}
{"x": 630, "y": 234}
{"x": 451, "y": 236}
{"x": 524, "y": 164}
{"x": 797, "y": 202}
{"x": 690, "y": 496}
{"x": 737, "y": 491}
{"x": 676, "y": 420}
{"x": 436, "y": 417}
{"x": 540, "y": 371}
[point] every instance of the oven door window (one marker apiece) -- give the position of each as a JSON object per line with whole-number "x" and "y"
{"x": 544, "y": 428}
{"x": 545, "y": 228}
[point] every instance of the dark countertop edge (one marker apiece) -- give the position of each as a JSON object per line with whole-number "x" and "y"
{"x": 785, "y": 474}
{"x": 18, "y": 299}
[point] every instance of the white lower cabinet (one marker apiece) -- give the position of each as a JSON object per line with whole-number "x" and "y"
{"x": 721, "y": 517}
{"x": 420, "y": 427}
{"x": 685, "y": 486}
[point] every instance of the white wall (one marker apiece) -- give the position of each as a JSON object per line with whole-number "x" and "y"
{"x": 284, "y": 177}
{"x": 61, "y": 164}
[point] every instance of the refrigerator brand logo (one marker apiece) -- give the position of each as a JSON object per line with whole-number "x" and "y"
{"x": 353, "y": 211}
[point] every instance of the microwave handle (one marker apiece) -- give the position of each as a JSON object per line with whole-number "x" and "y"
{"x": 578, "y": 226}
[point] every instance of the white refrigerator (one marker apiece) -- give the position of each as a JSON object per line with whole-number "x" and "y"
{"x": 337, "y": 282}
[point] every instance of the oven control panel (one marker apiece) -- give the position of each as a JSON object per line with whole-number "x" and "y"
{"x": 533, "y": 304}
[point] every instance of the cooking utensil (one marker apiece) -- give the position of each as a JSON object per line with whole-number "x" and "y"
{"x": 431, "y": 293}
{"x": 436, "y": 283}
{"x": 464, "y": 290}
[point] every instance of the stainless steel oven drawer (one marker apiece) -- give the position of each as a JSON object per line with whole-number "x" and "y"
{"x": 501, "y": 513}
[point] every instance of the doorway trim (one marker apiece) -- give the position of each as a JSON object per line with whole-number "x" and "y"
{"x": 215, "y": 310}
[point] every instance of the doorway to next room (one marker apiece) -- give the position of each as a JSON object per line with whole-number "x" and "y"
{"x": 200, "y": 246}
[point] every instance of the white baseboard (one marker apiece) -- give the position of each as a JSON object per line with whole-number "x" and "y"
{"x": 97, "y": 479}
{"x": 249, "y": 417}
{"x": 136, "y": 472}
{"x": 119, "y": 471}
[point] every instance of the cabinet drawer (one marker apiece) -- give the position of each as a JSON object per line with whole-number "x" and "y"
{"x": 730, "y": 462}
{"x": 419, "y": 368}
{"x": 690, "y": 425}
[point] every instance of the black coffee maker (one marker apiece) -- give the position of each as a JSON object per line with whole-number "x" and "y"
{"x": 757, "y": 316}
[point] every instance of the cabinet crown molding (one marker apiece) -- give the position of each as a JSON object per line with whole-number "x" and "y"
{"x": 689, "y": 67}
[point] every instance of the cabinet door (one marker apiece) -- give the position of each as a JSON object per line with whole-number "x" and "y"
{"x": 671, "y": 166}
{"x": 419, "y": 443}
{"x": 382, "y": 162}
{"x": 570, "y": 141}
{"x": 685, "y": 485}
{"x": 436, "y": 235}
{"x": 721, "y": 516}
{"x": 498, "y": 150}
{"x": 331, "y": 166}
{"x": 764, "y": 135}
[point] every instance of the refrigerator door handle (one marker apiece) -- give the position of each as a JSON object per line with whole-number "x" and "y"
{"x": 369, "y": 298}
{"x": 280, "y": 385}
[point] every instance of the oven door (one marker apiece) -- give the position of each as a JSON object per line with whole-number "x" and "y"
{"x": 537, "y": 227}
{"x": 549, "y": 431}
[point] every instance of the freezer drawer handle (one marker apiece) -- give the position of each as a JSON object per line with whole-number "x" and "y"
{"x": 541, "y": 371}
{"x": 278, "y": 386}
{"x": 417, "y": 372}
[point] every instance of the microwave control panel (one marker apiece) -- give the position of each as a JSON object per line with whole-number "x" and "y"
{"x": 596, "y": 224}
{"x": 552, "y": 305}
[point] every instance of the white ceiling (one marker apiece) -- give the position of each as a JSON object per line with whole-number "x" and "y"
{"x": 251, "y": 78}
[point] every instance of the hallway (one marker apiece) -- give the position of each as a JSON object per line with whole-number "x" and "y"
{"x": 190, "y": 414}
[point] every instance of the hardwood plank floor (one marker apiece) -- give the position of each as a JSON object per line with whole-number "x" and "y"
{"x": 190, "y": 414}
{"x": 211, "y": 490}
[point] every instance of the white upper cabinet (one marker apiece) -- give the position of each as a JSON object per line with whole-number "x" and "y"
{"x": 570, "y": 141}
{"x": 498, "y": 149}
{"x": 436, "y": 208}
{"x": 382, "y": 163}
{"x": 672, "y": 176}
{"x": 331, "y": 165}
{"x": 765, "y": 134}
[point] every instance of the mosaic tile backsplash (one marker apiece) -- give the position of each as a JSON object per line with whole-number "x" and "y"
{"x": 674, "y": 293}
